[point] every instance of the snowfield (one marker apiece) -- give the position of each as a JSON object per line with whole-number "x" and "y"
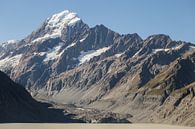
{"x": 52, "y": 54}
{"x": 86, "y": 56}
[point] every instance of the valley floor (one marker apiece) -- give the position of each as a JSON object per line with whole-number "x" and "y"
{"x": 90, "y": 126}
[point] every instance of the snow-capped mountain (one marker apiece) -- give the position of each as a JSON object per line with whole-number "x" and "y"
{"x": 54, "y": 26}
{"x": 67, "y": 61}
{"x": 63, "y": 42}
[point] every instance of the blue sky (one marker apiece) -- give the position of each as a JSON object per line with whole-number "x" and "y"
{"x": 145, "y": 17}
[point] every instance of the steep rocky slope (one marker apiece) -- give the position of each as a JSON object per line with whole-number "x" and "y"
{"x": 17, "y": 105}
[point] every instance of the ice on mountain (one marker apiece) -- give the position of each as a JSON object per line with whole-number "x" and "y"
{"x": 10, "y": 62}
{"x": 168, "y": 49}
{"x": 52, "y": 53}
{"x": 86, "y": 56}
{"x": 71, "y": 45}
{"x": 161, "y": 49}
{"x": 81, "y": 40}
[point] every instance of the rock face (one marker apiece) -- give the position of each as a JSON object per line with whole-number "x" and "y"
{"x": 17, "y": 105}
{"x": 68, "y": 62}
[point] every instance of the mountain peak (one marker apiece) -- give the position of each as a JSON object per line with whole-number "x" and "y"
{"x": 65, "y": 17}
{"x": 57, "y": 22}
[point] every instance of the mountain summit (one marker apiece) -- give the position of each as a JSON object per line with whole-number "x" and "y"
{"x": 54, "y": 25}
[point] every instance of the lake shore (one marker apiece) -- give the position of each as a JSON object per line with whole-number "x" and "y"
{"x": 89, "y": 126}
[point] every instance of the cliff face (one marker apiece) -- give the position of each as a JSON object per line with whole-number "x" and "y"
{"x": 17, "y": 105}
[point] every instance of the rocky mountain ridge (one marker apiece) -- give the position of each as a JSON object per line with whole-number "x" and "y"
{"x": 66, "y": 61}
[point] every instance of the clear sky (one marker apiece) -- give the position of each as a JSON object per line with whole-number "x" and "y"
{"x": 18, "y": 18}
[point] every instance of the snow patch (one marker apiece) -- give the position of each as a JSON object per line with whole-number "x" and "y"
{"x": 55, "y": 53}
{"x": 40, "y": 53}
{"x": 168, "y": 49}
{"x": 86, "y": 56}
{"x": 52, "y": 54}
{"x": 45, "y": 37}
{"x": 137, "y": 53}
{"x": 193, "y": 47}
{"x": 74, "y": 21}
{"x": 158, "y": 50}
{"x": 10, "y": 62}
{"x": 177, "y": 47}
{"x": 118, "y": 55}
{"x": 81, "y": 40}
{"x": 71, "y": 45}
